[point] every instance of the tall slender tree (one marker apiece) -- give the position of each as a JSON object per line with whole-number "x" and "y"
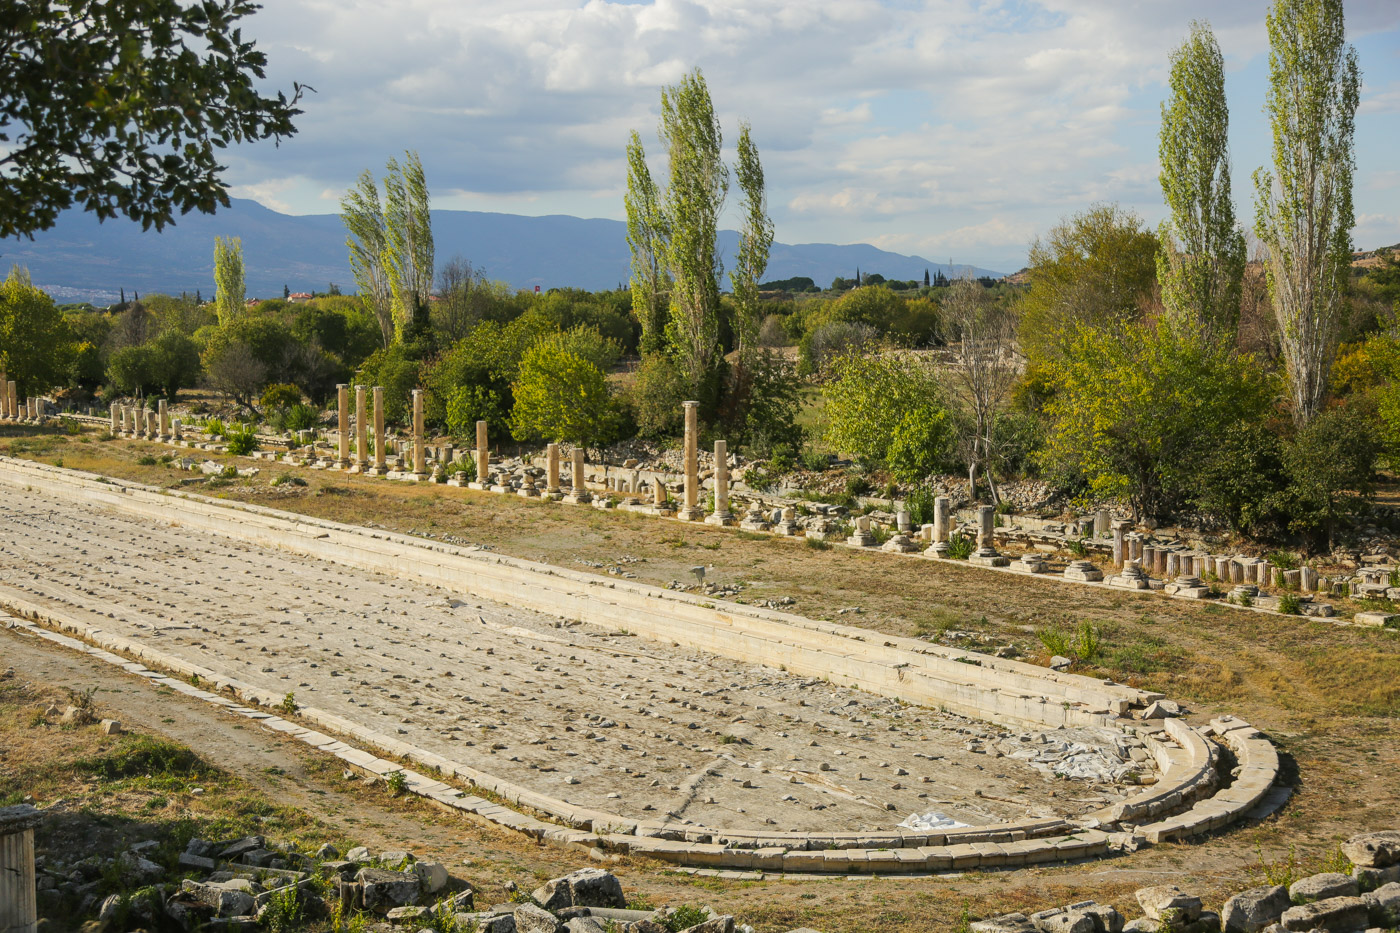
{"x": 699, "y": 181}
{"x": 1201, "y": 255}
{"x": 1305, "y": 212}
{"x": 755, "y": 240}
{"x": 230, "y": 295}
{"x": 408, "y": 239}
{"x": 363, "y": 217}
{"x": 647, "y": 237}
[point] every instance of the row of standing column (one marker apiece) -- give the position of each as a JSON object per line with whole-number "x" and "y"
{"x": 11, "y": 409}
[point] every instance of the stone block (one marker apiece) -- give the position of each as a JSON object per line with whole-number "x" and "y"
{"x": 381, "y": 889}
{"x": 1371, "y": 878}
{"x": 587, "y": 887}
{"x": 532, "y": 919}
{"x": 1253, "y": 910}
{"x": 1167, "y": 900}
{"x": 1384, "y": 906}
{"x": 1335, "y": 915}
{"x": 433, "y": 876}
{"x": 1321, "y": 887}
{"x": 1006, "y": 923}
{"x": 233, "y": 898}
{"x": 1373, "y": 850}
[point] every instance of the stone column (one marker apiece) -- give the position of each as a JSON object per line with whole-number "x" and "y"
{"x": 19, "y": 903}
{"x": 420, "y": 466}
{"x": 579, "y": 491}
{"x": 658, "y": 495}
{"x": 378, "y": 469}
{"x": 903, "y": 521}
{"x": 1120, "y": 531}
{"x": 4, "y": 396}
{"x": 164, "y": 420}
{"x": 175, "y": 434}
{"x": 1101, "y": 523}
{"x": 361, "y": 432}
{"x": 14, "y": 399}
{"x": 690, "y": 509}
{"x": 551, "y": 487}
{"x": 942, "y": 515}
{"x": 152, "y": 429}
{"x": 483, "y": 454}
{"x": 722, "y": 515}
{"x": 116, "y": 420}
{"x": 986, "y": 553}
{"x": 342, "y": 407}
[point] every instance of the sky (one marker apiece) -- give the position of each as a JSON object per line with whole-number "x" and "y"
{"x": 951, "y": 129}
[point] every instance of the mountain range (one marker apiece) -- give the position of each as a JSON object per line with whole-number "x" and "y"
{"x": 80, "y": 259}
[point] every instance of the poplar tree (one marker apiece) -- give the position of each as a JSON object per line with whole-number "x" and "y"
{"x": 698, "y": 183}
{"x": 755, "y": 239}
{"x": 1305, "y": 212}
{"x": 1201, "y": 257}
{"x": 408, "y": 239}
{"x": 229, "y": 295}
{"x": 363, "y": 217}
{"x": 646, "y": 236}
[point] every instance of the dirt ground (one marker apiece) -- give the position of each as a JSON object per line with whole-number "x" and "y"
{"x": 1328, "y": 696}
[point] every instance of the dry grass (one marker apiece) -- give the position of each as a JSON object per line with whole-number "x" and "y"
{"x": 1330, "y": 696}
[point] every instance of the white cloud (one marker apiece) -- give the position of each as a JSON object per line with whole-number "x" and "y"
{"x": 915, "y": 120}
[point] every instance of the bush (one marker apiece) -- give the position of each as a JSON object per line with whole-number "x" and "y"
{"x": 301, "y": 418}
{"x": 242, "y": 441}
{"x": 959, "y": 547}
{"x": 920, "y": 506}
{"x": 814, "y": 461}
{"x": 763, "y": 405}
{"x": 215, "y": 427}
{"x": 1290, "y": 605}
{"x": 281, "y": 395}
{"x": 1331, "y": 465}
{"x": 889, "y": 412}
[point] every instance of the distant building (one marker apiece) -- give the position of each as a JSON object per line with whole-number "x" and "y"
{"x": 298, "y": 298}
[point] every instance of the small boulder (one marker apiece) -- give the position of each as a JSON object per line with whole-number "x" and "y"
{"x": 232, "y": 898}
{"x": 724, "y": 924}
{"x": 532, "y": 919}
{"x": 1064, "y": 920}
{"x": 1006, "y": 923}
{"x": 1253, "y": 910}
{"x": 587, "y": 887}
{"x": 111, "y": 727}
{"x": 433, "y": 876}
{"x": 196, "y": 862}
{"x": 409, "y": 914}
{"x": 75, "y": 716}
{"x": 1168, "y": 902}
{"x": 1384, "y": 906}
{"x": 1373, "y": 850}
{"x": 1371, "y": 878}
{"x": 381, "y": 889}
{"x": 246, "y": 844}
{"x": 1335, "y": 915}
{"x": 358, "y": 854}
{"x": 585, "y": 925}
{"x": 1321, "y": 887}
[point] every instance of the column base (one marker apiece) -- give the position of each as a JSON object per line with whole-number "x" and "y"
{"x": 527, "y": 492}
{"x": 483, "y": 487}
{"x": 552, "y": 496}
{"x": 720, "y": 518}
{"x": 988, "y": 557}
{"x": 582, "y": 498}
{"x": 691, "y": 514}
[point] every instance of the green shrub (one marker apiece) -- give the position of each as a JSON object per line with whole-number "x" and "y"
{"x": 301, "y": 418}
{"x": 686, "y": 916}
{"x": 1078, "y": 548}
{"x": 287, "y": 479}
{"x": 1056, "y": 641}
{"x": 242, "y": 441}
{"x": 215, "y": 426}
{"x": 1088, "y": 643}
{"x": 1290, "y": 605}
{"x": 857, "y": 485}
{"x": 960, "y": 547}
{"x": 920, "y": 506}
{"x": 813, "y": 461}
{"x": 146, "y": 460}
{"x": 143, "y": 755}
{"x": 280, "y": 395}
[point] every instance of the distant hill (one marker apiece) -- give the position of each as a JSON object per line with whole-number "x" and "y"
{"x": 82, "y": 260}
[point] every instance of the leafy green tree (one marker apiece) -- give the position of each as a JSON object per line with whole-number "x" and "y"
{"x": 755, "y": 239}
{"x": 1096, "y": 268}
{"x": 363, "y": 217}
{"x": 646, "y": 236}
{"x": 1201, "y": 261}
{"x": 1304, "y": 213}
{"x": 229, "y": 296}
{"x": 1137, "y": 407}
{"x": 122, "y": 105}
{"x": 472, "y": 403}
{"x": 1331, "y": 468}
{"x": 560, "y": 396}
{"x": 888, "y": 411}
{"x": 699, "y": 181}
{"x": 656, "y": 394}
{"x": 392, "y": 368}
{"x": 408, "y": 240}
{"x": 36, "y": 346}
{"x": 164, "y": 365}
{"x": 1239, "y": 477}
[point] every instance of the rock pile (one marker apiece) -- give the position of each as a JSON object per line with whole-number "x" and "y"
{"x": 1367, "y": 899}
